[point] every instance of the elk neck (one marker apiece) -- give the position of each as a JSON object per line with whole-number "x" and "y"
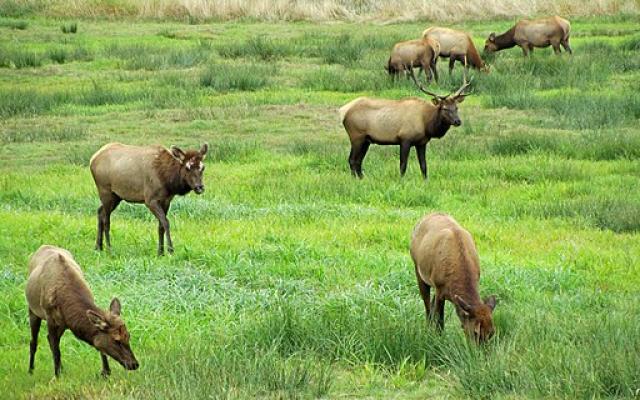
{"x": 74, "y": 304}
{"x": 506, "y": 40}
{"x": 170, "y": 172}
{"x": 437, "y": 127}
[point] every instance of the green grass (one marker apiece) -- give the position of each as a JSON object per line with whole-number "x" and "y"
{"x": 290, "y": 278}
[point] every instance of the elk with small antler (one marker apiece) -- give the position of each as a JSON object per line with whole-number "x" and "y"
{"x": 408, "y": 122}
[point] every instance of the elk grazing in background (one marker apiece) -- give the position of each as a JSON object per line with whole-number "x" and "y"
{"x": 446, "y": 259}
{"x": 543, "y": 32}
{"x": 456, "y": 46}
{"x": 419, "y": 53}
{"x": 57, "y": 292}
{"x": 407, "y": 122}
{"x": 151, "y": 175}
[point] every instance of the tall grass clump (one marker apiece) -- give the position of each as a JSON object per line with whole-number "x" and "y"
{"x": 14, "y": 24}
{"x": 344, "y": 49}
{"x": 19, "y": 58}
{"x": 145, "y": 57}
{"x": 244, "y": 77}
{"x": 29, "y": 102}
{"x": 259, "y": 47}
{"x": 69, "y": 28}
{"x": 340, "y": 79}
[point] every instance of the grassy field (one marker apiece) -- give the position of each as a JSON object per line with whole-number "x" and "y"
{"x": 290, "y": 278}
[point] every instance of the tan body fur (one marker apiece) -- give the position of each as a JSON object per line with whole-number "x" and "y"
{"x": 419, "y": 53}
{"x": 152, "y": 175}
{"x": 456, "y": 46}
{"x": 543, "y": 32}
{"x": 445, "y": 258}
{"x": 57, "y": 292}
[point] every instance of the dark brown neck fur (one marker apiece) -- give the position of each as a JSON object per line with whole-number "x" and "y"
{"x": 466, "y": 286}
{"x": 74, "y": 305}
{"x": 506, "y": 41}
{"x": 473, "y": 58}
{"x": 437, "y": 127}
{"x": 169, "y": 171}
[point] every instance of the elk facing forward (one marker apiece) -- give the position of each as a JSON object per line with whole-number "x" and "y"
{"x": 446, "y": 259}
{"x": 420, "y": 53}
{"x": 409, "y": 123}
{"x": 456, "y": 46}
{"x": 151, "y": 175}
{"x": 57, "y": 292}
{"x": 543, "y": 32}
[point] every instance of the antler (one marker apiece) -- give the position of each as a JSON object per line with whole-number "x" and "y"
{"x": 422, "y": 89}
{"x": 460, "y": 91}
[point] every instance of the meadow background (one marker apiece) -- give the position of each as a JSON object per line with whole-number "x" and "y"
{"x": 290, "y": 278}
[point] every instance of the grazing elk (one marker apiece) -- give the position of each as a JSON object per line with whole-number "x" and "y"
{"x": 151, "y": 175}
{"x": 445, "y": 258}
{"x": 543, "y": 32}
{"x": 407, "y": 122}
{"x": 419, "y": 53}
{"x": 57, "y": 292}
{"x": 456, "y": 46}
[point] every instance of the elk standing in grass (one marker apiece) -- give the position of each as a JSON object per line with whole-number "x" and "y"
{"x": 446, "y": 259}
{"x": 151, "y": 175}
{"x": 419, "y": 53}
{"x": 456, "y": 46}
{"x": 57, "y": 292}
{"x": 409, "y": 123}
{"x": 543, "y": 32}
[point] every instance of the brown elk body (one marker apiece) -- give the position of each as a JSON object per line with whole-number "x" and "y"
{"x": 57, "y": 293}
{"x": 409, "y": 123}
{"x": 419, "y": 53}
{"x": 456, "y": 46}
{"x": 543, "y": 32}
{"x": 152, "y": 175}
{"x": 446, "y": 259}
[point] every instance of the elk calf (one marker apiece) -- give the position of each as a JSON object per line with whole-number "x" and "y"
{"x": 543, "y": 32}
{"x": 446, "y": 259}
{"x": 420, "y": 53}
{"x": 408, "y": 123}
{"x": 57, "y": 292}
{"x": 151, "y": 175}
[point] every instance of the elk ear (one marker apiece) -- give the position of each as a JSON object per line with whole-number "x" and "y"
{"x": 178, "y": 154}
{"x": 435, "y": 101}
{"x": 491, "y": 301}
{"x": 115, "y": 306}
{"x": 460, "y": 98}
{"x": 97, "y": 320}
{"x": 463, "y": 305}
{"x": 492, "y": 37}
{"x": 204, "y": 149}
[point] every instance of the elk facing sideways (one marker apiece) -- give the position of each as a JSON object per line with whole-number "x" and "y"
{"x": 446, "y": 259}
{"x": 57, "y": 292}
{"x": 419, "y": 53}
{"x": 456, "y": 46}
{"x": 408, "y": 122}
{"x": 543, "y": 32}
{"x": 151, "y": 175}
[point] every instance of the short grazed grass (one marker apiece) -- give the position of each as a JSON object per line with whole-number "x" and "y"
{"x": 290, "y": 278}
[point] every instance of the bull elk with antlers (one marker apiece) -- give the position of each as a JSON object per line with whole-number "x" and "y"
{"x": 408, "y": 122}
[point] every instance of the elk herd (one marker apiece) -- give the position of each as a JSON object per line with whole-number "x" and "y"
{"x": 443, "y": 252}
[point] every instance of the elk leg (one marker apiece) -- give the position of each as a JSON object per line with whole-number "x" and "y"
{"x": 421, "y": 150}
{"x": 106, "y": 371}
{"x": 34, "y": 322}
{"x": 107, "y": 219}
{"x": 525, "y": 49}
{"x": 452, "y": 61}
{"x": 360, "y": 157}
{"x": 433, "y": 68}
{"x": 54, "y": 335}
{"x": 100, "y": 228}
{"x": 404, "y": 155}
{"x": 567, "y": 47}
{"x": 158, "y": 210}
{"x": 437, "y": 311}
{"x": 424, "y": 293}
{"x": 556, "y": 47}
{"x": 354, "y": 156}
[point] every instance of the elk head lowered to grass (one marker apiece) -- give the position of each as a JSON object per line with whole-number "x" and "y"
{"x": 57, "y": 292}
{"x": 151, "y": 175}
{"x": 408, "y": 122}
{"x": 446, "y": 259}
